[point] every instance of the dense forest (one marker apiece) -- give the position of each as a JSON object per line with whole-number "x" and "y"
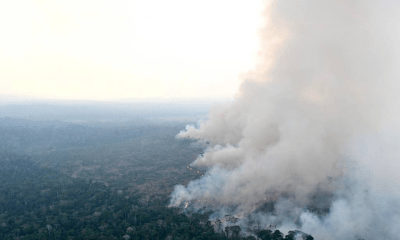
{"x": 63, "y": 180}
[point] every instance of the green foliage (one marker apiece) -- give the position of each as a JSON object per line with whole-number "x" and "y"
{"x": 90, "y": 186}
{"x": 265, "y": 234}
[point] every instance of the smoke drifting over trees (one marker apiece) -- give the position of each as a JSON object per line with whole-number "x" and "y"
{"x": 313, "y": 129}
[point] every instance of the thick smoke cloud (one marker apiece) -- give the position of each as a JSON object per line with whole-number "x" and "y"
{"x": 314, "y": 127}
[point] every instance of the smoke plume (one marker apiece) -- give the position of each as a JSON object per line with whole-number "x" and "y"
{"x": 313, "y": 130}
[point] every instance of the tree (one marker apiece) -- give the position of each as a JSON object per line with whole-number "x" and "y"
{"x": 218, "y": 225}
{"x": 265, "y": 234}
{"x": 232, "y": 232}
{"x": 126, "y": 237}
{"x": 250, "y": 238}
{"x": 290, "y": 236}
{"x": 277, "y": 235}
{"x": 49, "y": 228}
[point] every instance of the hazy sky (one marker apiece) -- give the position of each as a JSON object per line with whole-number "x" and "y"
{"x": 104, "y": 50}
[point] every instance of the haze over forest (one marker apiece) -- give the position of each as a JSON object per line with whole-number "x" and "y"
{"x": 104, "y": 171}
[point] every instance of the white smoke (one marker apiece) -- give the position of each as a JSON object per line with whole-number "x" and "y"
{"x": 314, "y": 125}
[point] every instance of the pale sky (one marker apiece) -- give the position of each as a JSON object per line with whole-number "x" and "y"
{"x": 103, "y": 50}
